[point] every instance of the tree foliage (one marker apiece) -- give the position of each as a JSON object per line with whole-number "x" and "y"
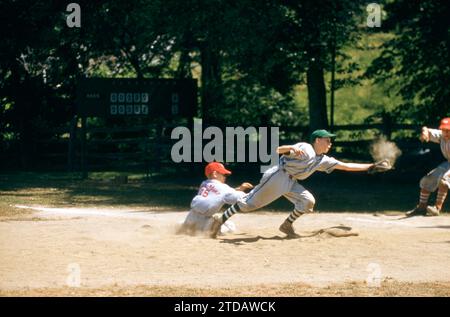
{"x": 248, "y": 55}
{"x": 418, "y": 57}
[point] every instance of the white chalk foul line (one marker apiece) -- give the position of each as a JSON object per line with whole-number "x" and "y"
{"x": 91, "y": 212}
{"x": 382, "y": 222}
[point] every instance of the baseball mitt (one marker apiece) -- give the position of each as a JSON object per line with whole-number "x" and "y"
{"x": 380, "y": 166}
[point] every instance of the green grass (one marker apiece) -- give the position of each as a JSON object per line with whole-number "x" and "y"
{"x": 68, "y": 190}
{"x": 339, "y": 191}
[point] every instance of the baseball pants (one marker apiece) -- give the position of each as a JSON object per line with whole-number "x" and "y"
{"x": 274, "y": 184}
{"x": 430, "y": 182}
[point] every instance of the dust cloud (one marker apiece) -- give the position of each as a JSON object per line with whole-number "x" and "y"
{"x": 382, "y": 149}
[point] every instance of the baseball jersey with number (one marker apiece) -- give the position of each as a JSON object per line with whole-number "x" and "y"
{"x": 436, "y": 137}
{"x": 212, "y": 195}
{"x": 302, "y": 166}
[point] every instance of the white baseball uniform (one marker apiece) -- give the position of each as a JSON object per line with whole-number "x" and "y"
{"x": 281, "y": 180}
{"x": 430, "y": 182}
{"x": 211, "y": 196}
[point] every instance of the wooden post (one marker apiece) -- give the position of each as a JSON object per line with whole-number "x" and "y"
{"x": 84, "y": 173}
{"x": 72, "y": 140}
{"x": 332, "y": 88}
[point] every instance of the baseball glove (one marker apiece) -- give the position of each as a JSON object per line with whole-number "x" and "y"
{"x": 380, "y": 166}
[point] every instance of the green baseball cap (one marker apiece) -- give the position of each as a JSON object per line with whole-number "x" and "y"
{"x": 321, "y": 134}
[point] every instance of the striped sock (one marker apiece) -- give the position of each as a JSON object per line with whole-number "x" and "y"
{"x": 293, "y": 216}
{"x": 424, "y": 195}
{"x": 230, "y": 212}
{"x": 440, "y": 198}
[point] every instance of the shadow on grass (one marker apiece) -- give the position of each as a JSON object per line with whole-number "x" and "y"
{"x": 62, "y": 190}
{"x": 339, "y": 191}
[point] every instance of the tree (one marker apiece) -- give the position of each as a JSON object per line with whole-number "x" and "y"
{"x": 41, "y": 59}
{"x": 251, "y": 54}
{"x": 25, "y": 48}
{"x": 418, "y": 57}
{"x": 289, "y": 42}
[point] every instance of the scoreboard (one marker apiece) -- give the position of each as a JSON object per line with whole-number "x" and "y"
{"x": 119, "y": 97}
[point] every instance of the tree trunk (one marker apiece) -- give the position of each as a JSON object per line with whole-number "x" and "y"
{"x": 316, "y": 97}
{"x": 211, "y": 90}
{"x": 22, "y": 90}
{"x": 184, "y": 67}
{"x": 137, "y": 67}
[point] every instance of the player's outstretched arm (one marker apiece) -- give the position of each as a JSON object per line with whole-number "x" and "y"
{"x": 354, "y": 167}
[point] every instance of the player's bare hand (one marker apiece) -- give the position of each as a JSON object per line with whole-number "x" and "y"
{"x": 297, "y": 152}
{"x": 245, "y": 186}
{"x": 425, "y": 135}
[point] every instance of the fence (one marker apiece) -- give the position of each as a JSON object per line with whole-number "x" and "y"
{"x": 146, "y": 148}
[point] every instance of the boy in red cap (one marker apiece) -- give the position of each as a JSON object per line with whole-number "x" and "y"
{"x": 439, "y": 178}
{"x": 211, "y": 196}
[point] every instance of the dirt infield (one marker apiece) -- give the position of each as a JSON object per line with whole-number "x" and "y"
{"x": 121, "y": 252}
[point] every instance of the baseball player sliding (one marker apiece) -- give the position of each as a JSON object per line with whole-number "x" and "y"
{"x": 439, "y": 178}
{"x": 212, "y": 195}
{"x": 297, "y": 163}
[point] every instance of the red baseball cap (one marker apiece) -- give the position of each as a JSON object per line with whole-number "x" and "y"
{"x": 216, "y": 167}
{"x": 445, "y": 124}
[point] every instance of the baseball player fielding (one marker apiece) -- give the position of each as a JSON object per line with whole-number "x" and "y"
{"x": 120, "y": 239}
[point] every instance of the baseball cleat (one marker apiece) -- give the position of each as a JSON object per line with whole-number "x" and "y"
{"x": 286, "y": 227}
{"x": 217, "y": 223}
{"x": 432, "y": 211}
{"x": 418, "y": 211}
